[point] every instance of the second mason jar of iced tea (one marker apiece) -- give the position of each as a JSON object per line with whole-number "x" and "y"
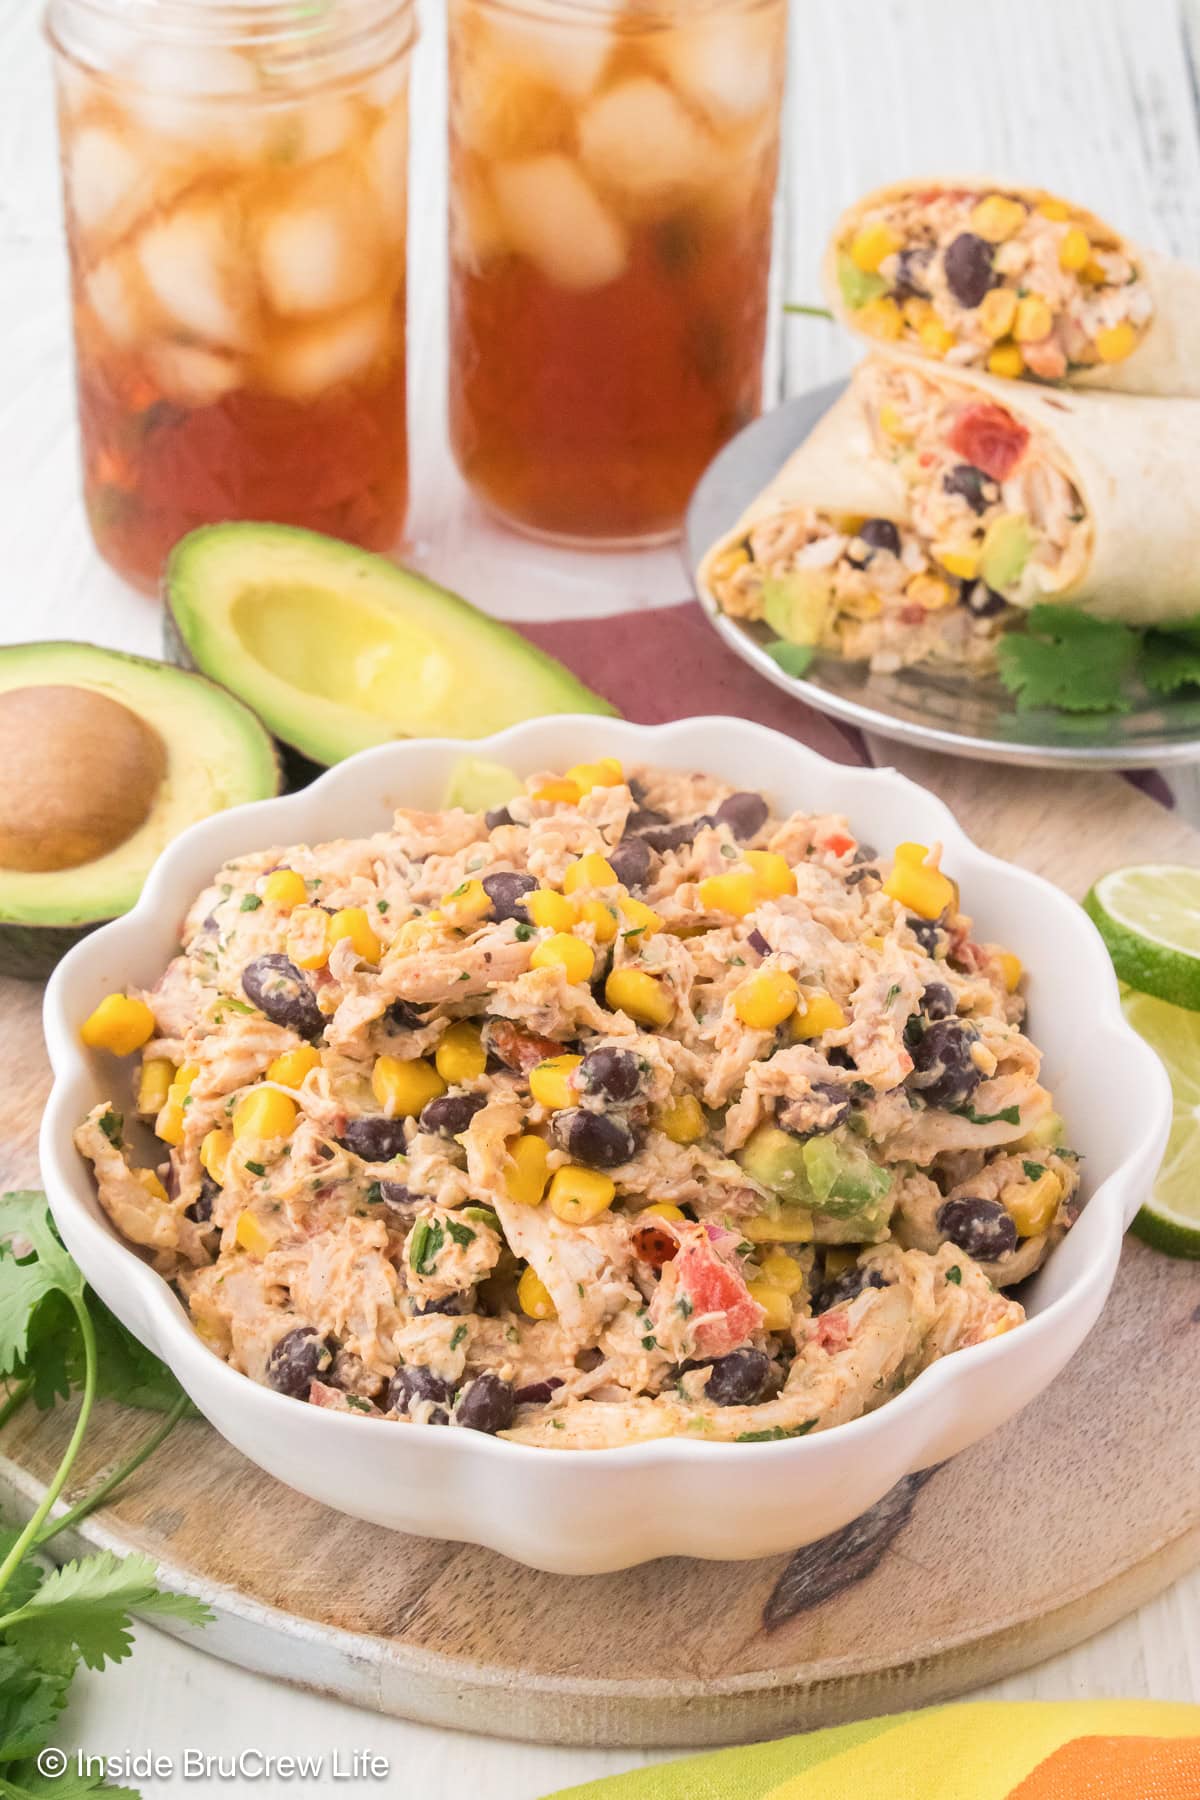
{"x": 613, "y": 172}
{"x": 235, "y": 175}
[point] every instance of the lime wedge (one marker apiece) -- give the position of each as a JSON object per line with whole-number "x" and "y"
{"x": 1170, "y": 1220}
{"x": 1149, "y": 916}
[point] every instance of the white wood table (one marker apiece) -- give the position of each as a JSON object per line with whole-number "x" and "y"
{"x": 1095, "y": 97}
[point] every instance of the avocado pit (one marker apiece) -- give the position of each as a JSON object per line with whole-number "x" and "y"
{"x": 81, "y": 774}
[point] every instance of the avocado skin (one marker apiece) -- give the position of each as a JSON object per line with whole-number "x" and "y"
{"x": 30, "y": 952}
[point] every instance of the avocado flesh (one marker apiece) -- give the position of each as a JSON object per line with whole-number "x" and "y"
{"x": 217, "y": 755}
{"x": 479, "y": 786}
{"x": 337, "y": 649}
{"x": 1007, "y": 547}
{"x": 798, "y": 605}
{"x": 832, "y": 1176}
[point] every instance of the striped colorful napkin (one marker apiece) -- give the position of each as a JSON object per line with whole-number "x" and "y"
{"x": 985, "y": 1750}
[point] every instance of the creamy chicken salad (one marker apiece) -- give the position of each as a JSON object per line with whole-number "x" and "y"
{"x": 630, "y": 1108}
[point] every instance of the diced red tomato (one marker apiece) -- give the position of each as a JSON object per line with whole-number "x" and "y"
{"x": 990, "y": 438}
{"x": 517, "y": 1047}
{"x": 833, "y": 1331}
{"x": 712, "y": 1286}
{"x": 839, "y": 843}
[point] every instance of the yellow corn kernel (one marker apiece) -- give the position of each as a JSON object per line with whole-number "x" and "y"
{"x": 548, "y": 908}
{"x": 251, "y": 1235}
{"x": 931, "y": 592}
{"x": 1115, "y": 344}
{"x": 772, "y": 873}
{"x": 997, "y": 310}
{"x": 602, "y": 919}
{"x": 782, "y": 1271}
{"x": 644, "y": 999}
{"x": 1012, "y": 970}
{"x": 592, "y": 870}
{"x": 1046, "y": 1134}
{"x": 917, "y": 887}
{"x": 839, "y": 1260}
{"x": 890, "y": 422}
{"x": 882, "y": 319}
{"x": 997, "y": 217}
{"x": 460, "y": 1055}
{"x": 533, "y": 1297}
{"x": 214, "y": 1154}
{"x": 1006, "y": 361}
{"x": 169, "y": 1123}
{"x": 564, "y": 952}
{"x": 149, "y": 1180}
{"x": 728, "y": 564}
{"x": 917, "y": 312}
{"x": 264, "y": 1113}
{"x": 776, "y": 1305}
{"x": 737, "y": 894}
{"x": 1094, "y": 273}
{"x": 550, "y": 1081}
{"x": 290, "y": 1069}
{"x": 682, "y": 1119}
{"x": 577, "y": 1195}
{"x": 410, "y": 934}
{"x": 1055, "y": 210}
{"x": 1032, "y": 1206}
{"x": 936, "y": 338}
{"x": 467, "y": 906}
{"x": 861, "y": 606}
{"x": 154, "y": 1084}
{"x": 605, "y": 772}
{"x": 119, "y": 1024}
{"x": 766, "y": 999}
{"x": 663, "y": 1209}
{"x": 308, "y": 937}
{"x": 816, "y": 1013}
{"x": 285, "y": 888}
{"x": 639, "y": 917}
{"x": 873, "y": 941}
{"x": 352, "y": 922}
{"x": 871, "y": 243}
{"x": 402, "y": 1088}
{"x": 1075, "y": 250}
{"x": 794, "y": 1225}
{"x": 559, "y": 791}
{"x": 525, "y": 1182}
{"x": 963, "y": 564}
{"x": 1034, "y": 320}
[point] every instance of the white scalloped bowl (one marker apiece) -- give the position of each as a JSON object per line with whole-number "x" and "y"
{"x": 581, "y": 1512}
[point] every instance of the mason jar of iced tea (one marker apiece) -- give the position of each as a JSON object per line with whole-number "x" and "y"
{"x": 613, "y": 172}
{"x": 235, "y": 177}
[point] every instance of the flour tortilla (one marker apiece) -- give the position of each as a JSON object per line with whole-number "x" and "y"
{"x": 1133, "y": 460}
{"x": 1167, "y": 361}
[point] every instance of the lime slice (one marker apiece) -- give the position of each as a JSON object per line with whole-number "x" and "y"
{"x": 1149, "y": 916}
{"x": 1170, "y": 1220}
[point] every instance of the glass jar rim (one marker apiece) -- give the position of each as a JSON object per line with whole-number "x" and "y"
{"x": 631, "y": 15}
{"x": 374, "y": 32}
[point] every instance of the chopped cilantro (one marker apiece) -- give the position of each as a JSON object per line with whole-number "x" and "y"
{"x": 250, "y": 903}
{"x": 462, "y": 1234}
{"x": 1068, "y": 660}
{"x": 465, "y": 976}
{"x": 774, "y": 1433}
{"x": 892, "y": 993}
{"x": 358, "y": 1405}
{"x": 731, "y": 851}
{"x": 649, "y": 1342}
{"x": 954, "y": 1275}
{"x": 1034, "y": 1169}
{"x": 683, "y": 1307}
{"x": 522, "y": 932}
{"x": 257, "y": 1168}
{"x": 382, "y": 906}
{"x": 226, "y": 889}
{"x": 793, "y": 659}
{"x": 459, "y": 1333}
{"x": 375, "y": 1192}
{"x": 111, "y": 1124}
{"x": 1171, "y": 659}
{"x": 427, "y": 1239}
{"x": 1011, "y": 1115}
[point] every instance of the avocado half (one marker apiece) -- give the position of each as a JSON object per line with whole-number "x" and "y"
{"x": 337, "y": 649}
{"x": 105, "y": 759}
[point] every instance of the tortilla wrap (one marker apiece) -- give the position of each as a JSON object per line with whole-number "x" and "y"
{"x": 1166, "y": 361}
{"x": 1132, "y": 459}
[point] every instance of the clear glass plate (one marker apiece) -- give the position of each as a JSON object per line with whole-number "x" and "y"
{"x": 966, "y": 715}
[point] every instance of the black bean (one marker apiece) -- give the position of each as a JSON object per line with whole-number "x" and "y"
{"x": 601, "y": 1140}
{"x": 279, "y": 990}
{"x": 498, "y": 816}
{"x": 200, "y": 1211}
{"x": 845, "y": 1287}
{"x": 977, "y": 489}
{"x": 673, "y": 837}
{"x": 743, "y": 814}
{"x": 506, "y": 890}
{"x": 928, "y": 934}
{"x": 737, "y": 1379}
{"x": 876, "y": 534}
{"x": 609, "y": 1071}
{"x": 643, "y": 817}
{"x": 375, "y": 1139}
{"x": 756, "y": 941}
{"x": 982, "y": 1228}
{"x": 943, "y": 1071}
{"x": 631, "y": 861}
{"x": 450, "y": 1114}
{"x": 840, "y": 1058}
{"x": 400, "y": 1016}
{"x": 968, "y": 265}
{"x": 412, "y": 1383}
{"x": 485, "y": 1404}
{"x": 453, "y": 1304}
{"x": 910, "y": 278}
{"x": 866, "y": 853}
{"x": 297, "y": 1359}
{"x": 984, "y": 601}
{"x": 937, "y": 1001}
{"x": 394, "y": 1193}
{"x": 538, "y": 1392}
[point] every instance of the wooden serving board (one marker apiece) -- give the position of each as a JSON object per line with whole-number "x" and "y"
{"x": 1077, "y": 1512}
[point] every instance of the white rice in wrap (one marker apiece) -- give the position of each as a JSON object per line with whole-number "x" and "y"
{"x": 1161, "y": 302}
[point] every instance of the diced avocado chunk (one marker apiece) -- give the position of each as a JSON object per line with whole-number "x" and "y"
{"x": 775, "y": 1160}
{"x": 336, "y": 649}
{"x": 857, "y": 286}
{"x": 1007, "y": 547}
{"x": 1047, "y": 1134}
{"x": 478, "y": 786}
{"x": 797, "y": 605}
{"x": 841, "y": 1175}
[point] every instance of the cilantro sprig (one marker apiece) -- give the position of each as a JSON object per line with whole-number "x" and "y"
{"x": 55, "y": 1338}
{"x": 1070, "y": 662}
